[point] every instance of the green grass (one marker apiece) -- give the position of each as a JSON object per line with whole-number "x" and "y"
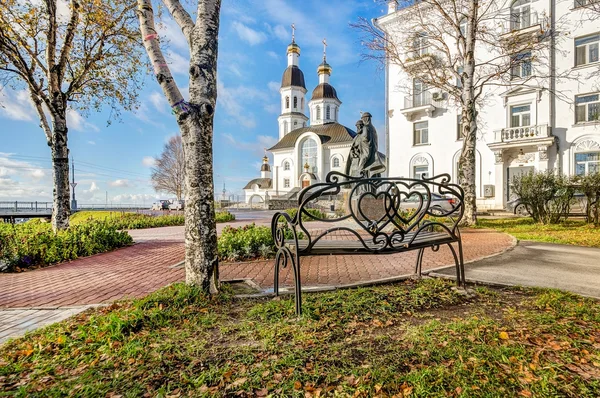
{"x": 85, "y": 216}
{"x": 570, "y": 232}
{"x": 129, "y": 220}
{"x": 419, "y": 339}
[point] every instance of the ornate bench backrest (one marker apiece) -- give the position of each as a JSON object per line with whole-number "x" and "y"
{"x": 390, "y": 211}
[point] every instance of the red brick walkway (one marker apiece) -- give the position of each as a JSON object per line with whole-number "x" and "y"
{"x": 145, "y": 267}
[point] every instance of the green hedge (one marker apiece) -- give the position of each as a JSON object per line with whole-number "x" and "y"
{"x": 34, "y": 244}
{"x": 315, "y": 212}
{"x": 247, "y": 243}
{"x": 139, "y": 221}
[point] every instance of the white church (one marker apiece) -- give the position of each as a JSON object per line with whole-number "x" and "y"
{"x": 308, "y": 147}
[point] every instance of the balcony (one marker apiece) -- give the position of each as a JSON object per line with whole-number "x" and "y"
{"x": 419, "y": 58}
{"x": 516, "y": 136}
{"x": 415, "y": 104}
{"x": 521, "y": 28}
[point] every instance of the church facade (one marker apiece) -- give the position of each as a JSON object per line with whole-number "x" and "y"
{"x": 309, "y": 147}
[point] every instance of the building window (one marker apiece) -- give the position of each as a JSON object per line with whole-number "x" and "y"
{"x": 459, "y": 132}
{"x": 295, "y": 102}
{"x": 463, "y": 26}
{"x": 521, "y": 66}
{"x": 587, "y": 108}
{"x": 421, "y": 94}
{"x": 520, "y": 14}
{"x": 286, "y": 182}
{"x": 421, "y": 172}
{"x": 328, "y": 113}
{"x": 583, "y": 3}
{"x": 421, "y": 133}
{"x": 520, "y": 115}
{"x": 318, "y": 112}
{"x": 308, "y": 154}
{"x": 587, "y": 163}
{"x": 336, "y": 162}
{"x": 287, "y": 102}
{"x": 286, "y": 166}
{"x": 586, "y": 50}
{"x": 420, "y": 44}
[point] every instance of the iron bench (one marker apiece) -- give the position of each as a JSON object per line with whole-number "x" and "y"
{"x": 382, "y": 215}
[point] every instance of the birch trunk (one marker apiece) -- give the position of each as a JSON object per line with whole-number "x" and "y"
{"x": 61, "y": 208}
{"x": 195, "y": 120}
{"x": 468, "y": 157}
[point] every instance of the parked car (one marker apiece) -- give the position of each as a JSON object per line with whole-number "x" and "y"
{"x": 177, "y": 205}
{"x": 160, "y": 205}
{"x": 438, "y": 202}
{"x": 577, "y": 207}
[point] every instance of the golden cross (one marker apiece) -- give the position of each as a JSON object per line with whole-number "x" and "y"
{"x": 293, "y": 33}
{"x": 324, "y": 50}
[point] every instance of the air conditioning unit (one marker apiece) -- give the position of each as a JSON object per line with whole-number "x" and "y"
{"x": 437, "y": 96}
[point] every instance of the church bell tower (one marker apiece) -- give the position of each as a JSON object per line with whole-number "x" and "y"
{"x": 293, "y": 92}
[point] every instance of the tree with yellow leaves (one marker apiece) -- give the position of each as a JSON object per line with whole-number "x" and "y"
{"x": 69, "y": 54}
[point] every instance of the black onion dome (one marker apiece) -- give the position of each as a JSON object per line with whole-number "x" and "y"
{"x": 265, "y": 167}
{"x": 293, "y": 76}
{"x": 324, "y": 90}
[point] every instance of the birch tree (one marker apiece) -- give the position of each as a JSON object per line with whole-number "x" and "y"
{"x": 168, "y": 173}
{"x": 195, "y": 120}
{"x": 462, "y": 48}
{"x": 69, "y": 54}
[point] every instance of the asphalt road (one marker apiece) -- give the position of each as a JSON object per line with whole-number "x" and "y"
{"x": 571, "y": 268}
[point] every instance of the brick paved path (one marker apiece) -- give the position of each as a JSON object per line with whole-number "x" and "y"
{"x": 147, "y": 266}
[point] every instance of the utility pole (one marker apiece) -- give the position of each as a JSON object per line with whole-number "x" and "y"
{"x": 73, "y": 185}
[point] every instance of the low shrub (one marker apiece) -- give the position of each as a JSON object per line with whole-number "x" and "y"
{"x": 589, "y": 185}
{"x": 224, "y": 216}
{"x": 34, "y": 244}
{"x": 247, "y": 243}
{"x": 125, "y": 220}
{"x": 547, "y": 196}
{"x": 305, "y": 217}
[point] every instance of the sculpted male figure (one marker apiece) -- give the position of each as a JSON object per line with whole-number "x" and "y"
{"x": 365, "y": 160}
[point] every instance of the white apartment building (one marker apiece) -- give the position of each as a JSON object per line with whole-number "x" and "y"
{"x": 521, "y": 128}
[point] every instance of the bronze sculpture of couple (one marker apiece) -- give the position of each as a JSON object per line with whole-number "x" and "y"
{"x": 364, "y": 160}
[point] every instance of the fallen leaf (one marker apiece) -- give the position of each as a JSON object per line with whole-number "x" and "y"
{"x": 503, "y": 335}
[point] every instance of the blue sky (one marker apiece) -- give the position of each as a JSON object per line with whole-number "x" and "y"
{"x": 115, "y": 160}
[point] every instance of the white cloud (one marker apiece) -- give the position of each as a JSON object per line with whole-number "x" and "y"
{"x": 158, "y": 101}
{"x": 178, "y": 64}
{"x": 92, "y": 142}
{"x": 169, "y": 29}
{"x": 119, "y": 183}
{"x": 94, "y": 187}
{"x": 272, "y": 108}
{"x": 232, "y": 100}
{"x": 274, "y": 86}
{"x": 273, "y": 55}
{"x": 282, "y": 33}
{"x": 233, "y": 68}
{"x": 16, "y": 105}
{"x": 134, "y": 199}
{"x": 78, "y": 123}
{"x": 148, "y": 161}
{"x": 24, "y": 180}
{"x": 258, "y": 147}
{"x": 249, "y": 35}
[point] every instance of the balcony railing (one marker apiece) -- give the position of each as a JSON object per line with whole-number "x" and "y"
{"x": 415, "y": 101}
{"x": 523, "y": 133}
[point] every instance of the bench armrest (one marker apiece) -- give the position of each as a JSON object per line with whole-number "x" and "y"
{"x": 283, "y": 227}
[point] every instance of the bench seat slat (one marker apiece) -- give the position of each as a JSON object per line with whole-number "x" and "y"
{"x": 340, "y": 246}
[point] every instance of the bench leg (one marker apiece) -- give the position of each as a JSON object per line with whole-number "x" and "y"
{"x": 419, "y": 264}
{"x": 283, "y": 257}
{"x": 460, "y": 266}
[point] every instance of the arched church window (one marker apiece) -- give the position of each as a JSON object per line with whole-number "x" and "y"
{"x": 287, "y": 102}
{"x": 295, "y": 102}
{"x": 328, "y": 113}
{"x": 336, "y": 162}
{"x": 286, "y": 166}
{"x": 318, "y": 112}
{"x": 308, "y": 154}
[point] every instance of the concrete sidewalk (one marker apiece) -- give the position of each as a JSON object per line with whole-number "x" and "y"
{"x": 571, "y": 268}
